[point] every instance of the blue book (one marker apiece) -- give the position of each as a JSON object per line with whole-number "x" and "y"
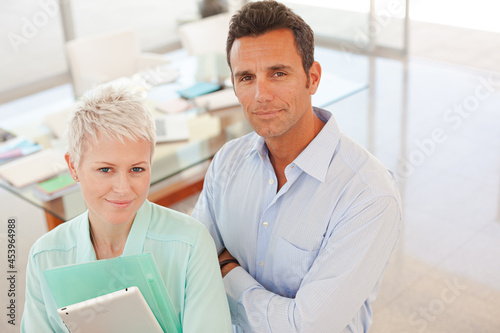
{"x": 199, "y": 89}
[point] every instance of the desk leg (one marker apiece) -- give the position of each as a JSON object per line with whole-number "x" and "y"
{"x": 52, "y": 221}
{"x": 55, "y": 205}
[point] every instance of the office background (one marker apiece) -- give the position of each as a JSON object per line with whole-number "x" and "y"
{"x": 431, "y": 114}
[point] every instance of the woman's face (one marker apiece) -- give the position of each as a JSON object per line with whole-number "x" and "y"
{"x": 114, "y": 178}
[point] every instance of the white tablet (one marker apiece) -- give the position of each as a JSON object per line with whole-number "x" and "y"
{"x": 124, "y": 311}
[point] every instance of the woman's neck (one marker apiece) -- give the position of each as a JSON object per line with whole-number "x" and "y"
{"x": 109, "y": 240}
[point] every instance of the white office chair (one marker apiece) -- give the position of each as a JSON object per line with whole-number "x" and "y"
{"x": 102, "y": 58}
{"x": 206, "y": 39}
{"x": 207, "y": 35}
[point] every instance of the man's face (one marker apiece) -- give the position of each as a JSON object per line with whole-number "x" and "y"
{"x": 271, "y": 84}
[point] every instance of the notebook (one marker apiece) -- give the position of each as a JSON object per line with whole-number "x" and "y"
{"x": 122, "y": 311}
{"x": 199, "y": 89}
{"x": 217, "y": 100}
{"x": 55, "y": 187}
{"x": 33, "y": 168}
{"x": 174, "y": 105}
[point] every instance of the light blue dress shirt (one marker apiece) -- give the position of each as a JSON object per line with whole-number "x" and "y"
{"x": 182, "y": 248}
{"x": 312, "y": 254}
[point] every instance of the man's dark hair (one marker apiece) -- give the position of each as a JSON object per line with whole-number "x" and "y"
{"x": 257, "y": 18}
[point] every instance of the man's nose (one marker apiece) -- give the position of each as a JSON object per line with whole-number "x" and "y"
{"x": 263, "y": 91}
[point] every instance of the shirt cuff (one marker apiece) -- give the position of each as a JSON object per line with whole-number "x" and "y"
{"x": 238, "y": 284}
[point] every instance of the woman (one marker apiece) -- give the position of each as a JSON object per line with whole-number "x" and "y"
{"x": 111, "y": 139}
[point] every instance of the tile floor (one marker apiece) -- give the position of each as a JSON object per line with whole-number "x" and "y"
{"x": 437, "y": 126}
{"x": 435, "y": 123}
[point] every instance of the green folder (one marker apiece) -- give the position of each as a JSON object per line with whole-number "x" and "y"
{"x": 56, "y": 183}
{"x": 75, "y": 283}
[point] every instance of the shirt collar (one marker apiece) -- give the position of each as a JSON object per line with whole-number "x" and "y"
{"x": 259, "y": 146}
{"x": 84, "y": 250}
{"x": 137, "y": 234}
{"x": 316, "y": 157}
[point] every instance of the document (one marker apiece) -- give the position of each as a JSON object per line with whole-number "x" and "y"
{"x": 33, "y": 168}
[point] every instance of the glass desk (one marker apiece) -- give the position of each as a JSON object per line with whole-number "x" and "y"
{"x": 172, "y": 159}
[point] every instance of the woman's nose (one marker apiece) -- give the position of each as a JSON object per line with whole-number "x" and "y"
{"x": 121, "y": 184}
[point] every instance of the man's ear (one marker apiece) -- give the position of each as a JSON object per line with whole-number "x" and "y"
{"x": 314, "y": 77}
{"x": 71, "y": 166}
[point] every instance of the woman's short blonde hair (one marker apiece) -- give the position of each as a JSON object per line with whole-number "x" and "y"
{"x": 116, "y": 111}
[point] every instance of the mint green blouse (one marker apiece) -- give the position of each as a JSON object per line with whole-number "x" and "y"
{"x": 182, "y": 248}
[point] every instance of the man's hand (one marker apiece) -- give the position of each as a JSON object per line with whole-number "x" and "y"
{"x": 225, "y": 255}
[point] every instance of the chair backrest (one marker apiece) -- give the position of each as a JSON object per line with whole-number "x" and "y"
{"x": 101, "y": 58}
{"x": 207, "y": 35}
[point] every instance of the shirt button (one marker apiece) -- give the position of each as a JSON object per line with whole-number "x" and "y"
{"x": 265, "y": 224}
{"x": 261, "y": 264}
{"x": 271, "y": 181}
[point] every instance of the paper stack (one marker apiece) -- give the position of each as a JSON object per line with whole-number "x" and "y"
{"x": 33, "y": 168}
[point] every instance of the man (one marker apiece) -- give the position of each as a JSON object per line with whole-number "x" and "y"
{"x": 305, "y": 220}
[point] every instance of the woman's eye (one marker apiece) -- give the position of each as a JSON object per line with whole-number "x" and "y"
{"x": 137, "y": 169}
{"x": 105, "y": 170}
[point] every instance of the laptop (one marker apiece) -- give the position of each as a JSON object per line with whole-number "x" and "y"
{"x": 171, "y": 128}
{"x": 122, "y": 311}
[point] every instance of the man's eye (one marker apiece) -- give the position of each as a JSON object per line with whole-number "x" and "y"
{"x": 246, "y": 78}
{"x": 279, "y": 74}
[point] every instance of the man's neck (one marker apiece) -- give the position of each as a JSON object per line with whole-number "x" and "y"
{"x": 284, "y": 149}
